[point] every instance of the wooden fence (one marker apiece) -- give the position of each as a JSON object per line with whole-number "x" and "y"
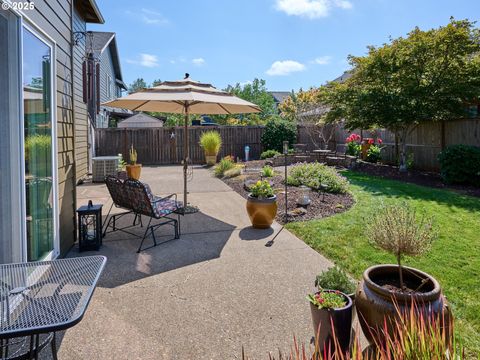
{"x": 161, "y": 146}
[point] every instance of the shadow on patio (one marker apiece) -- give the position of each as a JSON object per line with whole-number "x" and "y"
{"x": 124, "y": 265}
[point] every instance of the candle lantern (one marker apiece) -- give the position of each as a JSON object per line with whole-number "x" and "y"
{"x": 89, "y": 226}
{"x": 304, "y": 199}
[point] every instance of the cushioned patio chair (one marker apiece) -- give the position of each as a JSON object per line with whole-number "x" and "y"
{"x": 137, "y": 198}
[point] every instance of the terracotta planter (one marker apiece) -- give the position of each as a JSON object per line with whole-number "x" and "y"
{"x": 365, "y": 146}
{"x": 341, "y": 319}
{"x": 262, "y": 212}
{"x": 375, "y": 304}
{"x": 211, "y": 159}
{"x": 133, "y": 171}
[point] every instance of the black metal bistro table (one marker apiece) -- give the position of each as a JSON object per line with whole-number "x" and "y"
{"x": 39, "y": 298}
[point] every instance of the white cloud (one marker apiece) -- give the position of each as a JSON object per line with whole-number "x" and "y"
{"x": 149, "y": 17}
{"x": 322, "y": 60}
{"x": 198, "y": 61}
{"x": 312, "y": 9}
{"x": 285, "y": 67}
{"x": 146, "y": 60}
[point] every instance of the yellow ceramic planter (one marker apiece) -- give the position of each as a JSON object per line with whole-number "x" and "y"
{"x": 261, "y": 212}
{"x": 133, "y": 171}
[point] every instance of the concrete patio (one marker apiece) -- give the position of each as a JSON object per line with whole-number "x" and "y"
{"x": 205, "y": 296}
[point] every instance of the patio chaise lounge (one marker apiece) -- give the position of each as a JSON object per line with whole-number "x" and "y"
{"x": 137, "y": 198}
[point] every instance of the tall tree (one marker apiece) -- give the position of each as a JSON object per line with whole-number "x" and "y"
{"x": 255, "y": 92}
{"x": 427, "y": 76}
{"x": 137, "y": 85}
{"x": 156, "y": 82}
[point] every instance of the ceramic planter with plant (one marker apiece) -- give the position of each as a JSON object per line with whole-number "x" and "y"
{"x": 332, "y": 319}
{"x": 210, "y": 142}
{"x": 133, "y": 169}
{"x": 384, "y": 288}
{"x": 261, "y": 204}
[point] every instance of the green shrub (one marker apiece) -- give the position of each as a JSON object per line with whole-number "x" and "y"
{"x": 460, "y": 164}
{"x": 210, "y": 142}
{"x": 335, "y": 279}
{"x": 267, "y": 171}
{"x": 38, "y": 154}
{"x": 314, "y": 175}
{"x": 276, "y": 132}
{"x": 261, "y": 189}
{"x": 225, "y": 164}
{"x": 268, "y": 154}
{"x": 374, "y": 154}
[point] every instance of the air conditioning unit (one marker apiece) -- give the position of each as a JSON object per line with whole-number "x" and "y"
{"x": 103, "y": 166}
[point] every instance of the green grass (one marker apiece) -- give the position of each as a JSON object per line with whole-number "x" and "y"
{"x": 455, "y": 256}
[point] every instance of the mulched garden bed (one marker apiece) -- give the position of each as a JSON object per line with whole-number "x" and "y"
{"x": 322, "y": 205}
{"x": 423, "y": 178}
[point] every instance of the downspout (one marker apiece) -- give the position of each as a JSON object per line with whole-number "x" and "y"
{"x": 72, "y": 64}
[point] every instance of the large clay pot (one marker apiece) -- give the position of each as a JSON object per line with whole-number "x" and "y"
{"x": 342, "y": 325}
{"x": 133, "y": 171}
{"x": 375, "y": 304}
{"x": 211, "y": 159}
{"x": 262, "y": 212}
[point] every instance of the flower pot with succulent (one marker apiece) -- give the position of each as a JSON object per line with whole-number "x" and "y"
{"x": 210, "y": 142}
{"x": 332, "y": 319}
{"x": 261, "y": 204}
{"x": 387, "y": 289}
{"x": 133, "y": 169}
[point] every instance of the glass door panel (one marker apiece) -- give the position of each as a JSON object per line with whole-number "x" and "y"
{"x": 38, "y": 146}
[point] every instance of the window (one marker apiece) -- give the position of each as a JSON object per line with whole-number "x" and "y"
{"x": 38, "y": 142}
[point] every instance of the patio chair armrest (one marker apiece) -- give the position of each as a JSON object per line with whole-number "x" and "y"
{"x": 165, "y": 198}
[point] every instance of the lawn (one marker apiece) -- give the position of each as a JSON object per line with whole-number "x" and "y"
{"x": 454, "y": 259}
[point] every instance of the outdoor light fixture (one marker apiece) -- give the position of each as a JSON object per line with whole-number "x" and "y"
{"x": 89, "y": 227}
{"x": 285, "y": 153}
{"x": 304, "y": 199}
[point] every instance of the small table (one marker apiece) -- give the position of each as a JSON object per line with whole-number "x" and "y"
{"x": 322, "y": 153}
{"x": 46, "y": 296}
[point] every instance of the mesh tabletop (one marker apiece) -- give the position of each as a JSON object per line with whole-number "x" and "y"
{"x": 46, "y": 296}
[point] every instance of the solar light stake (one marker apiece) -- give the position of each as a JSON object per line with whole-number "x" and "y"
{"x": 285, "y": 153}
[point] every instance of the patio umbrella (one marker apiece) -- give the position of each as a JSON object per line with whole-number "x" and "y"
{"x": 184, "y": 97}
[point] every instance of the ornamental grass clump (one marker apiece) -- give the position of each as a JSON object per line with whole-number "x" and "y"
{"x": 267, "y": 171}
{"x": 398, "y": 230}
{"x": 210, "y": 142}
{"x": 318, "y": 177}
{"x": 225, "y": 164}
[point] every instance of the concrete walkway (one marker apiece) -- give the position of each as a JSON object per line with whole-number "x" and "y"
{"x": 205, "y": 296}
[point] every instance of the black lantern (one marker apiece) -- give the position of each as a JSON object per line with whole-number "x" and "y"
{"x": 89, "y": 226}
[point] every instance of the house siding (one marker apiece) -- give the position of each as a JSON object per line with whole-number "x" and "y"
{"x": 81, "y": 115}
{"x": 53, "y": 17}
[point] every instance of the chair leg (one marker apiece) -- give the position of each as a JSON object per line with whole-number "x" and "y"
{"x": 179, "y": 226}
{"x": 144, "y": 236}
{"x": 53, "y": 344}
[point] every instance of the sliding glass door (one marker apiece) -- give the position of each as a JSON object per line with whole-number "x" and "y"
{"x": 38, "y": 146}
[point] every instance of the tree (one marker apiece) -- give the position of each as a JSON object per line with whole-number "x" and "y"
{"x": 309, "y": 108}
{"x": 255, "y": 92}
{"x": 427, "y": 76}
{"x": 137, "y": 85}
{"x": 156, "y": 82}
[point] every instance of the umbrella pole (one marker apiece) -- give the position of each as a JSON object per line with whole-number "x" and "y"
{"x": 186, "y": 155}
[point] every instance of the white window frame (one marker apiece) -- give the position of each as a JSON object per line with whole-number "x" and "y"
{"x": 26, "y": 23}
{"x": 109, "y": 87}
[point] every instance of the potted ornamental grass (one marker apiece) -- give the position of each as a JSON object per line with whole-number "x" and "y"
{"x": 133, "y": 169}
{"x": 261, "y": 204}
{"x": 384, "y": 288}
{"x": 210, "y": 142}
{"x": 332, "y": 319}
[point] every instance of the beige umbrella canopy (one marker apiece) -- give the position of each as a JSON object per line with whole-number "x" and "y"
{"x": 184, "y": 97}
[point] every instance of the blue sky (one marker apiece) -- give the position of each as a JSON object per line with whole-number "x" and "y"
{"x": 289, "y": 43}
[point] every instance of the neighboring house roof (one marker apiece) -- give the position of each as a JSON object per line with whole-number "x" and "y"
{"x": 279, "y": 96}
{"x": 100, "y": 41}
{"x": 90, "y": 11}
{"x": 346, "y": 75}
{"x": 140, "y": 120}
